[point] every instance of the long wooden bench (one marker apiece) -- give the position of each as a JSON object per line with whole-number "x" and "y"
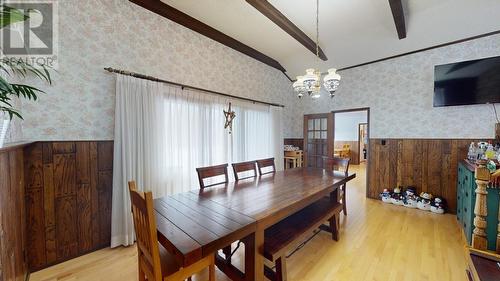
{"x": 293, "y": 230}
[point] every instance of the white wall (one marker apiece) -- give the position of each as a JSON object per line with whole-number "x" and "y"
{"x": 346, "y": 125}
{"x": 119, "y": 34}
{"x": 399, "y": 93}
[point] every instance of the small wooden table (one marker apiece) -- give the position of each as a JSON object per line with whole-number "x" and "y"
{"x": 341, "y": 152}
{"x": 198, "y": 223}
{"x": 293, "y": 157}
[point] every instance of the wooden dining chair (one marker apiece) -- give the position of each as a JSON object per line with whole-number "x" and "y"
{"x": 342, "y": 165}
{"x": 266, "y": 163}
{"x": 244, "y": 167}
{"x": 155, "y": 262}
{"x": 211, "y": 172}
{"x": 346, "y": 151}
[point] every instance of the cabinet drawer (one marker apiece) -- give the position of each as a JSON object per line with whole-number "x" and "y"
{"x": 493, "y": 199}
{"x": 468, "y": 223}
{"x": 468, "y": 179}
{"x": 460, "y": 175}
{"x": 460, "y": 206}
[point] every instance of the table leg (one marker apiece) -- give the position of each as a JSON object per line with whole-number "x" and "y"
{"x": 258, "y": 255}
{"x": 333, "y": 226}
{"x": 249, "y": 242}
{"x": 227, "y": 253}
{"x": 335, "y": 195}
{"x": 254, "y": 260}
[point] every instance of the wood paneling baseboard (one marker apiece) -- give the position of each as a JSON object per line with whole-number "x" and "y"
{"x": 298, "y": 142}
{"x": 13, "y": 266}
{"x": 428, "y": 164}
{"x": 68, "y": 199}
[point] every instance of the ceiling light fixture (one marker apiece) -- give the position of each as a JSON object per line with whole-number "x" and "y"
{"x": 311, "y": 82}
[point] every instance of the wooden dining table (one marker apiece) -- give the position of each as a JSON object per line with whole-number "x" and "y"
{"x": 195, "y": 224}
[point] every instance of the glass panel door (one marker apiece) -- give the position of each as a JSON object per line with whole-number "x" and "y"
{"x": 317, "y": 136}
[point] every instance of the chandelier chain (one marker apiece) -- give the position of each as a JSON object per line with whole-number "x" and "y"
{"x": 317, "y": 28}
{"x": 311, "y": 82}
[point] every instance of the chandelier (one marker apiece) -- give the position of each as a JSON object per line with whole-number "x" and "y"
{"x": 310, "y": 83}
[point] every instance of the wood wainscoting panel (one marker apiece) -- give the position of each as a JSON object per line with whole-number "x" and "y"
{"x": 64, "y": 174}
{"x": 49, "y": 206}
{"x": 33, "y": 166}
{"x": 105, "y": 193}
{"x": 63, "y": 147}
{"x": 298, "y": 142}
{"x": 66, "y": 227}
{"x": 13, "y": 265}
{"x": 35, "y": 228}
{"x": 68, "y": 199}
{"x": 428, "y": 164}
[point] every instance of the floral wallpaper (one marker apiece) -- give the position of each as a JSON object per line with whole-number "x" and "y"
{"x": 400, "y": 93}
{"x": 15, "y": 130}
{"x": 80, "y": 103}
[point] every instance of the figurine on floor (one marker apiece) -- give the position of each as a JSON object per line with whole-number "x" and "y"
{"x": 411, "y": 199}
{"x": 424, "y": 201}
{"x": 397, "y": 196}
{"x": 438, "y": 205}
{"x": 386, "y": 196}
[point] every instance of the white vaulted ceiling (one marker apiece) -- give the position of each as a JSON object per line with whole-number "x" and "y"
{"x": 351, "y": 31}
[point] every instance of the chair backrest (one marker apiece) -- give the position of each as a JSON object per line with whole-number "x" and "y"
{"x": 264, "y": 163}
{"x": 336, "y": 164}
{"x": 145, "y": 231}
{"x": 244, "y": 167}
{"x": 210, "y": 172}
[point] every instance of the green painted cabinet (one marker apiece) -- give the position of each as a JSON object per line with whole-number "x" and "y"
{"x": 466, "y": 199}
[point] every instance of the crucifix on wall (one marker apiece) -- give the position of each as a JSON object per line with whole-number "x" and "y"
{"x": 229, "y": 114}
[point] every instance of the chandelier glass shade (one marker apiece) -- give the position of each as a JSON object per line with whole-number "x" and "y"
{"x": 331, "y": 81}
{"x": 298, "y": 86}
{"x": 311, "y": 82}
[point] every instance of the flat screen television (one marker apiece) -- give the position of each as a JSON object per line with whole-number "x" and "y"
{"x": 467, "y": 82}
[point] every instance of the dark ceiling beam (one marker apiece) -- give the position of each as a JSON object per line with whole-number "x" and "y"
{"x": 399, "y": 17}
{"x": 288, "y": 26}
{"x": 169, "y": 12}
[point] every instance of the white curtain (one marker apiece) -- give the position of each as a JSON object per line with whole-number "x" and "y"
{"x": 257, "y": 133}
{"x": 163, "y": 133}
{"x": 277, "y": 136}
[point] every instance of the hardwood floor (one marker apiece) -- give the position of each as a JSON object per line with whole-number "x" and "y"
{"x": 377, "y": 242}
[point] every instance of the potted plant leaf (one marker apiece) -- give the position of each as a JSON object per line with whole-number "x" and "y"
{"x": 15, "y": 67}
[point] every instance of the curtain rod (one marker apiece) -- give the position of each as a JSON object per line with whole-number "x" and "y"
{"x": 151, "y": 78}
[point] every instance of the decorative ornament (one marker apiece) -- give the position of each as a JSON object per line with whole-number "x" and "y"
{"x": 386, "y": 196}
{"x": 397, "y": 196}
{"x": 438, "y": 205}
{"x": 411, "y": 198}
{"x": 229, "y": 114}
{"x": 424, "y": 202}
